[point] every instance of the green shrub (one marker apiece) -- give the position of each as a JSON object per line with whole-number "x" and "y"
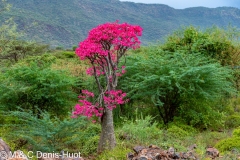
{"x": 177, "y": 132}
{"x": 181, "y": 124}
{"x": 44, "y": 133}
{"x": 204, "y": 114}
{"x": 59, "y": 48}
{"x": 90, "y": 146}
{"x": 44, "y": 60}
{"x": 89, "y": 138}
{"x": 74, "y": 48}
{"x": 236, "y": 133}
{"x": 232, "y": 121}
{"x": 118, "y": 153}
{"x": 228, "y": 144}
{"x": 32, "y": 86}
{"x": 178, "y": 83}
{"x": 69, "y": 54}
{"x": 141, "y": 130}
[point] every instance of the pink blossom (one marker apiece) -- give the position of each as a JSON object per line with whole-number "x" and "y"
{"x": 86, "y": 108}
{"x": 103, "y": 48}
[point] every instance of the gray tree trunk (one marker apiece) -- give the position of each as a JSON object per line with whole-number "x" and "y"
{"x": 107, "y": 138}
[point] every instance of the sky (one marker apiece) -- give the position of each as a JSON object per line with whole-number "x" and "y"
{"x": 181, "y": 4}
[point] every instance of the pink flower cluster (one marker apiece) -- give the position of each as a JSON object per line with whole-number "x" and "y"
{"x": 104, "y": 47}
{"x": 113, "y": 98}
{"x": 86, "y": 108}
{"x": 108, "y": 38}
{"x": 90, "y": 71}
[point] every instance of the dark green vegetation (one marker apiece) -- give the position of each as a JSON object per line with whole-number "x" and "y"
{"x": 36, "y": 85}
{"x": 177, "y": 81}
{"x": 64, "y": 23}
{"x": 184, "y": 91}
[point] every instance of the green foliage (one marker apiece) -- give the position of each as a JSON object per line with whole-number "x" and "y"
{"x": 175, "y": 80}
{"x": 204, "y": 114}
{"x": 179, "y": 123}
{"x": 118, "y": 153}
{"x": 67, "y": 28}
{"x": 17, "y": 49}
{"x": 228, "y": 144}
{"x": 69, "y": 54}
{"x": 4, "y": 6}
{"x": 44, "y": 60}
{"x": 236, "y": 132}
{"x": 89, "y": 138}
{"x": 177, "y": 132}
{"x": 74, "y": 48}
{"x": 219, "y": 44}
{"x": 213, "y": 42}
{"x": 35, "y": 85}
{"x": 90, "y": 146}
{"x": 139, "y": 130}
{"x": 12, "y": 48}
{"x": 44, "y": 133}
{"x": 59, "y": 48}
{"x": 232, "y": 121}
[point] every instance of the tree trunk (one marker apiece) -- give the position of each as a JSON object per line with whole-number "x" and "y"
{"x": 107, "y": 138}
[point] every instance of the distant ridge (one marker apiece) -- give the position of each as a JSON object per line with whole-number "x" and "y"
{"x": 66, "y": 22}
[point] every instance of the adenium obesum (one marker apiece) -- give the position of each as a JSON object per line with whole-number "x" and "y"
{"x": 88, "y": 109}
{"x": 103, "y": 48}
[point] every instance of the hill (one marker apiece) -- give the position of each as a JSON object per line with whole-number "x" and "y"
{"x": 65, "y": 23}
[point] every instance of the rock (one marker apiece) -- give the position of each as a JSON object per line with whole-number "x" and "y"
{"x": 192, "y": 147}
{"x": 130, "y": 156}
{"x": 176, "y": 156}
{"x": 153, "y": 146}
{"x": 138, "y": 149}
{"x": 144, "y": 151}
{"x": 143, "y": 158}
{"x": 212, "y": 152}
{"x": 155, "y": 153}
{"x": 171, "y": 152}
{"x": 157, "y": 156}
{"x": 4, "y": 150}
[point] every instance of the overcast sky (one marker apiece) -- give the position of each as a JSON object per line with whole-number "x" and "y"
{"x": 181, "y": 4}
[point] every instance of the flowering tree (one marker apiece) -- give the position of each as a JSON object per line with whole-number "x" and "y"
{"x": 103, "y": 48}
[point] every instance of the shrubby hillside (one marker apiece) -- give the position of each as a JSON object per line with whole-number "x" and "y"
{"x": 65, "y": 23}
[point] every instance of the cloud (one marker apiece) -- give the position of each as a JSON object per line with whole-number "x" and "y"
{"x": 180, "y": 4}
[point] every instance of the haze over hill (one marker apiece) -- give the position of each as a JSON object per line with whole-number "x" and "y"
{"x": 65, "y": 23}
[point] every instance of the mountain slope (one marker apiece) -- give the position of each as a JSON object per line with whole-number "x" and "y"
{"x": 66, "y": 22}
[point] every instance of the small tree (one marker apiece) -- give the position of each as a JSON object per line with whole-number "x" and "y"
{"x": 103, "y": 48}
{"x": 175, "y": 80}
{"x": 36, "y": 85}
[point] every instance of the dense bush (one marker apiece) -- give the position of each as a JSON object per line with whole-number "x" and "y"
{"x": 90, "y": 146}
{"x": 219, "y": 44}
{"x": 233, "y": 121}
{"x": 89, "y": 138}
{"x": 176, "y": 81}
{"x": 45, "y": 133}
{"x": 35, "y": 85}
{"x": 138, "y": 131}
{"x": 228, "y": 144}
{"x": 214, "y": 42}
{"x": 118, "y": 153}
{"x": 231, "y": 143}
